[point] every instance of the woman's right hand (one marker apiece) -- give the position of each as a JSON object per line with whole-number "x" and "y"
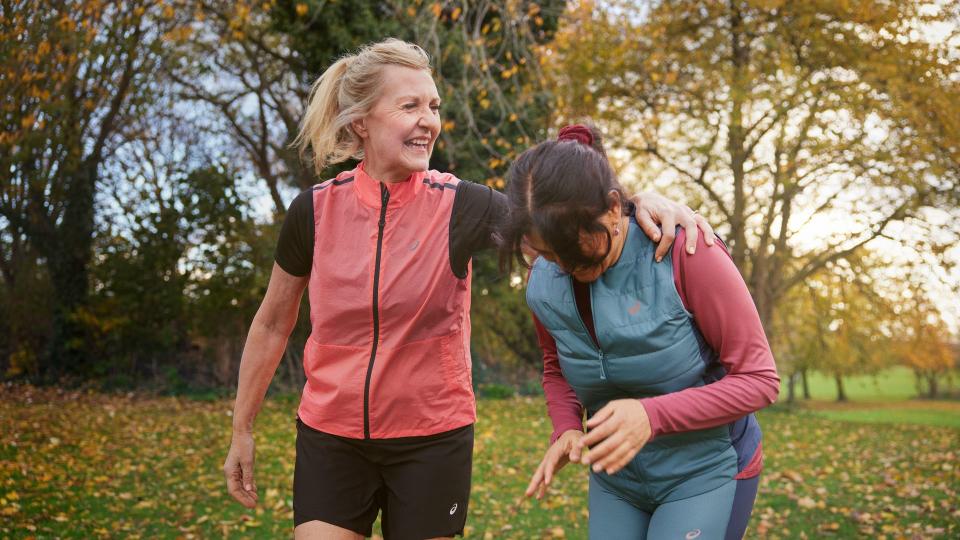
{"x": 238, "y": 469}
{"x": 561, "y": 452}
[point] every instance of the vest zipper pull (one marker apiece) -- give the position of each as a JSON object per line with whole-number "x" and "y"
{"x": 384, "y": 200}
{"x": 603, "y": 371}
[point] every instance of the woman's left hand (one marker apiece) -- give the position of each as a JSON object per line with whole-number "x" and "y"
{"x": 654, "y": 209}
{"x": 617, "y": 432}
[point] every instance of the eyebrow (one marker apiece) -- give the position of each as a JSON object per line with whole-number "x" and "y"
{"x": 417, "y": 98}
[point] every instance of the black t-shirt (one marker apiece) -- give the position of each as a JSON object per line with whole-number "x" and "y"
{"x": 477, "y": 211}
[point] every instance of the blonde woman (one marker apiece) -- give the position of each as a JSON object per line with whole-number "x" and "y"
{"x": 385, "y": 422}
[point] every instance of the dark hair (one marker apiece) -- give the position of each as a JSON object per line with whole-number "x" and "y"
{"x": 558, "y": 189}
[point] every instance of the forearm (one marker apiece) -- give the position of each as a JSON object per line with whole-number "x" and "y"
{"x": 261, "y": 354}
{"x": 722, "y": 402}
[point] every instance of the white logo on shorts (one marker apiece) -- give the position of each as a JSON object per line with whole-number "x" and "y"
{"x": 453, "y": 509}
{"x": 693, "y": 534}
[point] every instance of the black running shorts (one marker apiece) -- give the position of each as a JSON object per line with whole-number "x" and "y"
{"x": 421, "y": 484}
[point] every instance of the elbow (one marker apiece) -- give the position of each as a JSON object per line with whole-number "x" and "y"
{"x": 771, "y": 390}
{"x": 275, "y": 324}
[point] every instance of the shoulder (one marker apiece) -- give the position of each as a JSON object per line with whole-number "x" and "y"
{"x": 542, "y": 269}
{"x": 478, "y": 199}
{"x": 330, "y": 185}
{"x": 543, "y": 282}
{"x": 301, "y": 207}
{"x": 442, "y": 181}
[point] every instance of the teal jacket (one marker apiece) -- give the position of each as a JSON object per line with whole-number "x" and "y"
{"x": 649, "y": 346}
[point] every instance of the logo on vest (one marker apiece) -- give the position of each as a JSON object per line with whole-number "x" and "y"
{"x": 453, "y": 509}
{"x": 693, "y": 534}
{"x": 414, "y": 245}
{"x": 634, "y": 309}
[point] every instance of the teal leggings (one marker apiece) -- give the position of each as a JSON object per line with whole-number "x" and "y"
{"x": 701, "y": 517}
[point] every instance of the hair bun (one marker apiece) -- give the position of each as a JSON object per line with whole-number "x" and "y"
{"x": 576, "y": 132}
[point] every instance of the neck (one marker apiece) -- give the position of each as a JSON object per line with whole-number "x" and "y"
{"x": 616, "y": 248}
{"x": 386, "y": 177}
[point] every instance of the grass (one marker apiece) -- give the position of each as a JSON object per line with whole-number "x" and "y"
{"x": 893, "y": 384}
{"x": 886, "y": 398}
{"x": 924, "y": 416}
{"x": 86, "y": 465}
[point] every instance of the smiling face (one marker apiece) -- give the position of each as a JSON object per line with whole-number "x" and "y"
{"x": 593, "y": 245}
{"x": 402, "y": 126}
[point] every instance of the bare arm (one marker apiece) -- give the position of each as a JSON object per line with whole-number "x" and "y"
{"x": 266, "y": 341}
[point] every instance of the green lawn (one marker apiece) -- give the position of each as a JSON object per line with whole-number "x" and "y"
{"x": 97, "y": 466}
{"x": 896, "y": 383}
{"x": 888, "y": 397}
{"x": 926, "y": 415}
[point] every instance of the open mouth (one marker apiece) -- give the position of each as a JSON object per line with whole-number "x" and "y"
{"x": 419, "y": 143}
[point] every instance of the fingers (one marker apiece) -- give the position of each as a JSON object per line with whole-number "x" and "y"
{"x": 552, "y": 464}
{"x": 647, "y": 225}
{"x": 605, "y": 412}
{"x": 616, "y": 458}
{"x": 536, "y": 481}
{"x": 576, "y": 452}
{"x": 246, "y": 469}
{"x": 703, "y": 225}
{"x": 590, "y": 440}
{"x": 235, "y": 488}
{"x": 599, "y": 454}
{"x": 689, "y": 223}
{"x": 669, "y": 226}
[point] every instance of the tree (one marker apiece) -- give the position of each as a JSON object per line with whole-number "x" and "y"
{"x": 76, "y": 73}
{"x": 247, "y": 79}
{"x": 181, "y": 262}
{"x": 923, "y": 344}
{"x": 779, "y": 116}
{"x": 841, "y": 323}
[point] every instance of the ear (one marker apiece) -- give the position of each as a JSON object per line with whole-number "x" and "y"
{"x": 615, "y": 210}
{"x": 360, "y": 127}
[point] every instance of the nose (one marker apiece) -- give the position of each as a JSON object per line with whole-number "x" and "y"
{"x": 430, "y": 121}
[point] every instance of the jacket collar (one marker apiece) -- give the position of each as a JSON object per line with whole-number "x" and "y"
{"x": 368, "y": 188}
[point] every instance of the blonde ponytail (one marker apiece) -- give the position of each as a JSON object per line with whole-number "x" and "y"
{"x": 345, "y": 92}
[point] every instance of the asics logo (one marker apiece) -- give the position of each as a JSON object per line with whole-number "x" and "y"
{"x": 453, "y": 509}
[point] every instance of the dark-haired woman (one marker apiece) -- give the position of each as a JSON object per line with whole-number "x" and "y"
{"x": 669, "y": 360}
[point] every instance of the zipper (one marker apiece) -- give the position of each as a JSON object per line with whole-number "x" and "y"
{"x": 596, "y": 342}
{"x": 384, "y": 199}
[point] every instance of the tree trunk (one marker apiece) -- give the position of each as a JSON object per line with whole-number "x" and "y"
{"x": 932, "y": 388}
{"x": 791, "y": 387}
{"x": 68, "y": 255}
{"x": 736, "y": 142}
{"x": 806, "y": 384}
{"x": 841, "y": 393}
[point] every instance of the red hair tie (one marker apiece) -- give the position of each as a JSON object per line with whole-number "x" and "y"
{"x": 576, "y": 132}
